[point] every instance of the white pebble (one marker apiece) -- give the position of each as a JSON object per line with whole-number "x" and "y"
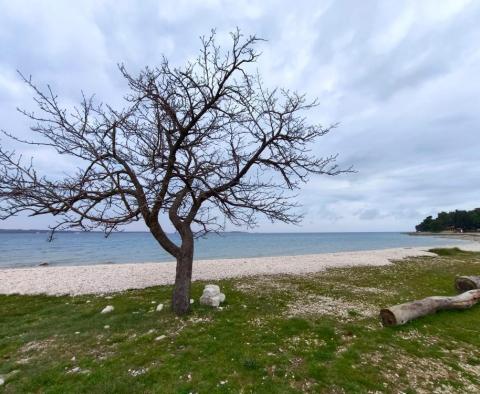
{"x": 192, "y": 300}
{"x": 77, "y": 332}
{"x": 159, "y": 307}
{"x": 2, "y": 381}
{"x": 107, "y": 309}
{"x": 160, "y": 337}
{"x": 73, "y": 358}
{"x": 106, "y": 327}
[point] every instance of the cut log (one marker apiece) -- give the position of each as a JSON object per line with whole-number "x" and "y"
{"x": 465, "y": 283}
{"x": 403, "y": 313}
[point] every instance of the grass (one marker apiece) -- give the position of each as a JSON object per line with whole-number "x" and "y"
{"x": 282, "y": 334}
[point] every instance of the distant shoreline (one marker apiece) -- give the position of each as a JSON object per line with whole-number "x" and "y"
{"x": 475, "y": 237}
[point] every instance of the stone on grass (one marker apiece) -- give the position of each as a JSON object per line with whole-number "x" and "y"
{"x": 2, "y": 381}
{"x": 107, "y": 309}
{"x": 159, "y": 307}
{"x": 212, "y": 296}
{"x": 213, "y": 287}
{"x": 160, "y": 337}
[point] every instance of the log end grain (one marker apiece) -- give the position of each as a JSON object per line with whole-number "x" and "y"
{"x": 465, "y": 283}
{"x": 388, "y": 318}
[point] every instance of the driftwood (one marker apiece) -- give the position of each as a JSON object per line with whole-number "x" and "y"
{"x": 403, "y": 313}
{"x": 465, "y": 283}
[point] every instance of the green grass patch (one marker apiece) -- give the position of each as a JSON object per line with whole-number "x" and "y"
{"x": 282, "y": 334}
{"x": 449, "y": 251}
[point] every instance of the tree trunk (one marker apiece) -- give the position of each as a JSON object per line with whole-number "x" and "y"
{"x": 183, "y": 280}
{"x": 465, "y": 283}
{"x": 401, "y": 314}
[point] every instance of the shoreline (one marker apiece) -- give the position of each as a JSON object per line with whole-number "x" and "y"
{"x": 108, "y": 278}
{"x": 472, "y": 237}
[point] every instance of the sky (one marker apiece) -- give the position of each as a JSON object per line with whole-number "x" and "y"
{"x": 401, "y": 77}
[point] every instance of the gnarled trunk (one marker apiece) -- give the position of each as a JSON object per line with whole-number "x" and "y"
{"x": 183, "y": 279}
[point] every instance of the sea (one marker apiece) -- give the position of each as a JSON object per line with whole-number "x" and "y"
{"x": 26, "y": 249}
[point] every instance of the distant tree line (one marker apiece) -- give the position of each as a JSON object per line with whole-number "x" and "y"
{"x": 454, "y": 221}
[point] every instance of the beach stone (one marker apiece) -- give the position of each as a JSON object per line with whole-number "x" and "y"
{"x": 211, "y": 291}
{"x": 210, "y": 301}
{"x": 212, "y": 296}
{"x": 215, "y": 288}
{"x": 159, "y": 307}
{"x": 107, "y": 309}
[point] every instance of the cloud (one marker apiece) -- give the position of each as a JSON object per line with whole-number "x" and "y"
{"x": 401, "y": 77}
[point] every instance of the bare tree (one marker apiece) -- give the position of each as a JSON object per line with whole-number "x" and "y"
{"x": 202, "y": 145}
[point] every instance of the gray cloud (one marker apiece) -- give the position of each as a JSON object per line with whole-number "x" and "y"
{"x": 401, "y": 77}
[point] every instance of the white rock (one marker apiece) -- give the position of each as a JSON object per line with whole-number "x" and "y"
{"x": 209, "y": 292}
{"x": 77, "y": 332}
{"x": 160, "y": 337}
{"x": 192, "y": 300}
{"x": 106, "y": 327}
{"x": 210, "y": 301}
{"x": 107, "y": 309}
{"x": 211, "y": 296}
{"x": 159, "y": 307}
{"x": 215, "y": 287}
{"x": 2, "y": 381}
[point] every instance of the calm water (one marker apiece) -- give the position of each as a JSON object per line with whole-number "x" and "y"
{"x": 28, "y": 249}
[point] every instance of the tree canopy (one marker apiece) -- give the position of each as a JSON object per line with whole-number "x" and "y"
{"x": 458, "y": 219}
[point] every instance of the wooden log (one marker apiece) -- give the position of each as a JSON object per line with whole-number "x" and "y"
{"x": 465, "y": 283}
{"x": 403, "y": 313}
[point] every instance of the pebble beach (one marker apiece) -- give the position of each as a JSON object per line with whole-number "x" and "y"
{"x": 107, "y": 278}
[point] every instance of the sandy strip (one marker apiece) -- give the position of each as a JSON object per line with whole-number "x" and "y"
{"x": 98, "y": 279}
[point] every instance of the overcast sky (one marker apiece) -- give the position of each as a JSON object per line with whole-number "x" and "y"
{"x": 401, "y": 77}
